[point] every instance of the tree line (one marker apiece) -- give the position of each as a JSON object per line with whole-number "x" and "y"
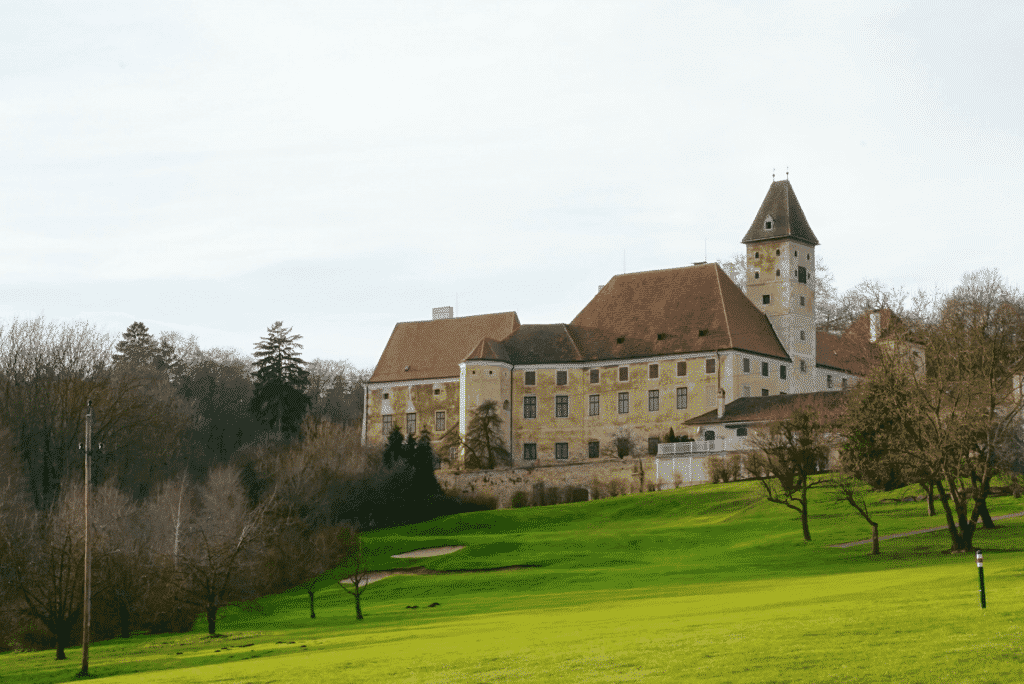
{"x": 217, "y": 477}
{"x": 942, "y": 407}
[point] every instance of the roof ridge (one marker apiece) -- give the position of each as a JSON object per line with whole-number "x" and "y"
{"x": 721, "y": 298}
{"x": 568, "y": 332}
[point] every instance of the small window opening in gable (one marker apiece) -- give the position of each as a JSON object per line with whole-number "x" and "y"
{"x": 703, "y": 332}
{"x": 661, "y": 336}
{"x": 768, "y": 224}
{"x": 407, "y": 368}
{"x": 766, "y": 299}
{"x": 620, "y": 340}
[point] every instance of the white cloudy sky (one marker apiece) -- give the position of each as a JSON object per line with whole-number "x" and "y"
{"x": 210, "y": 167}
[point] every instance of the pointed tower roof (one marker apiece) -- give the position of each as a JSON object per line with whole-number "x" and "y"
{"x": 782, "y": 209}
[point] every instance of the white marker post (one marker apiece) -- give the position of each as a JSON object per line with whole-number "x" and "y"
{"x": 981, "y": 577}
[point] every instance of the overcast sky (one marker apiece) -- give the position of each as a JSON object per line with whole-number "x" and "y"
{"x": 212, "y": 167}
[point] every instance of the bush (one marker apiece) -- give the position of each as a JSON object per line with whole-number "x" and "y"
{"x": 520, "y": 499}
{"x": 725, "y": 469}
{"x": 35, "y": 637}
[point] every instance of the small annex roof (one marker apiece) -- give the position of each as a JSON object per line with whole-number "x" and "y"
{"x": 551, "y": 343}
{"x": 488, "y": 350}
{"x": 420, "y": 350}
{"x": 672, "y": 311}
{"x": 787, "y": 219}
{"x": 774, "y": 408}
{"x": 853, "y": 350}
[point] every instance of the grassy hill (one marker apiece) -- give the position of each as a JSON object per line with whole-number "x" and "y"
{"x": 707, "y": 584}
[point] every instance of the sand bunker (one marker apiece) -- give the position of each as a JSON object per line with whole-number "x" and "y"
{"x": 426, "y": 553}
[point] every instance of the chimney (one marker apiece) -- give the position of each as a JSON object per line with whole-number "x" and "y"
{"x": 876, "y": 324}
{"x": 439, "y": 312}
{"x": 721, "y": 402}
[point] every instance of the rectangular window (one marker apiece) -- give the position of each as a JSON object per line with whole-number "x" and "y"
{"x": 782, "y": 371}
{"x": 652, "y": 371}
{"x": 595, "y": 376}
{"x": 561, "y": 406}
{"x": 681, "y": 398}
{"x": 801, "y": 274}
{"x": 803, "y": 366}
{"x": 764, "y": 393}
{"x": 386, "y": 425}
{"x": 529, "y": 451}
{"x": 652, "y": 446}
{"x": 623, "y": 373}
{"x": 529, "y": 407}
{"x": 746, "y": 365}
{"x": 680, "y": 369}
{"x": 802, "y": 335}
{"x": 741, "y": 432}
{"x": 709, "y": 366}
{"x": 746, "y": 390}
{"x": 764, "y": 368}
{"x": 828, "y": 381}
{"x": 623, "y": 402}
{"x": 653, "y": 400}
{"x": 595, "y": 404}
{"x": 844, "y": 383}
{"x": 766, "y": 299}
{"x": 530, "y": 378}
{"x": 593, "y": 449}
{"x": 561, "y": 377}
{"x": 561, "y": 451}
{"x": 439, "y": 421}
{"x": 410, "y": 423}
{"x": 803, "y": 301}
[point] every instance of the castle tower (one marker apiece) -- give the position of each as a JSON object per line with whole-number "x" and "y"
{"x": 780, "y": 278}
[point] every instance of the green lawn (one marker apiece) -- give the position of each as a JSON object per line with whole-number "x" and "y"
{"x": 706, "y": 584}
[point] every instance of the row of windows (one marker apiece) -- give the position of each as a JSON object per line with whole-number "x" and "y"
{"x": 561, "y": 452}
{"x": 653, "y": 373}
{"x": 388, "y": 423}
{"x": 594, "y": 403}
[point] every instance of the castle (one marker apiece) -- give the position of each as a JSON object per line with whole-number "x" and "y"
{"x": 651, "y": 351}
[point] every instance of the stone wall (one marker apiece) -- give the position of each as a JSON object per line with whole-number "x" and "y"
{"x": 562, "y": 482}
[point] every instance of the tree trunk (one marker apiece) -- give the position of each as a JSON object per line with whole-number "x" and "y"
{"x": 929, "y": 490}
{"x": 359, "y": 610}
{"x": 874, "y": 539}
{"x": 125, "y": 618}
{"x": 954, "y": 533}
{"x": 211, "y": 618}
{"x": 986, "y": 517}
{"x": 61, "y": 644}
{"x": 312, "y": 612}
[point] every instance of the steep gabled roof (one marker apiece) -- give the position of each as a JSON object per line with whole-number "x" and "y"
{"x": 672, "y": 311}
{"x": 788, "y": 220}
{"x": 434, "y": 349}
{"x": 488, "y": 350}
{"x": 778, "y": 407}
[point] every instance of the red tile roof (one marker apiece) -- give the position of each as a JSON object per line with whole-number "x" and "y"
{"x": 778, "y": 407}
{"x": 434, "y": 349}
{"x": 853, "y": 351}
{"x": 672, "y": 311}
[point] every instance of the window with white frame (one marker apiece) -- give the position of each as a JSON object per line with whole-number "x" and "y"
{"x": 653, "y": 400}
{"x": 681, "y": 398}
{"x": 439, "y": 421}
{"x": 595, "y": 405}
{"x": 623, "y": 402}
{"x": 387, "y": 424}
{"x": 530, "y": 407}
{"x": 561, "y": 406}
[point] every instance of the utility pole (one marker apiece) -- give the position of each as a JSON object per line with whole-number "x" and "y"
{"x": 86, "y": 605}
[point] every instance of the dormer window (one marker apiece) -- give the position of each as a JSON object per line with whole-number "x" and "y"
{"x": 768, "y": 223}
{"x": 661, "y": 336}
{"x": 620, "y": 340}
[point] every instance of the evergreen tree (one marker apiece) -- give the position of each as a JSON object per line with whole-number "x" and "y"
{"x": 137, "y": 346}
{"x": 280, "y": 380}
{"x": 394, "y": 449}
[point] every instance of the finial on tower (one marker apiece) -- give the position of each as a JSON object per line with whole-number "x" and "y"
{"x": 787, "y": 173}
{"x": 773, "y": 174}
